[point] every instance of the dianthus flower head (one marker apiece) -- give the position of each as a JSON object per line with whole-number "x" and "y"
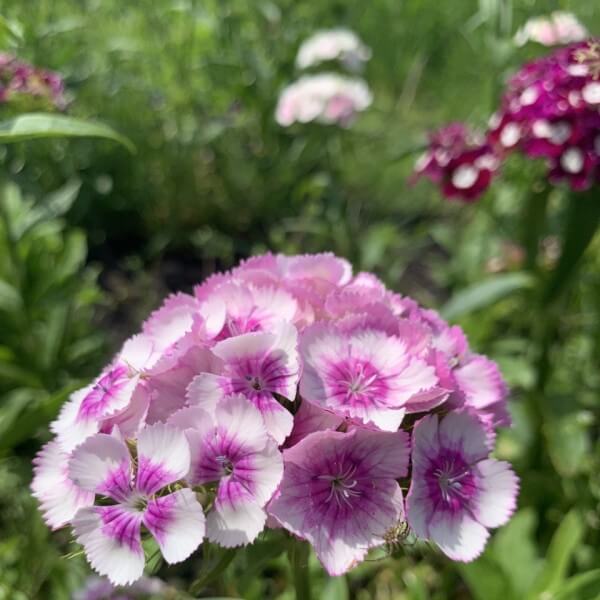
{"x": 339, "y": 492}
{"x": 333, "y": 44}
{"x": 550, "y": 110}
{"x": 460, "y": 161}
{"x": 557, "y": 29}
{"x": 281, "y": 393}
{"x": 457, "y": 492}
{"x": 326, "y": 98}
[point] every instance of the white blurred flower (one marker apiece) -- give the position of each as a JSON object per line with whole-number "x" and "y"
{"x": 333, "y": 44}
{"x": 557, "y": 29}
{"x": 327, "y": 98}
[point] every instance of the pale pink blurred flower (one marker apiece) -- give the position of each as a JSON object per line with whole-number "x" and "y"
{"x": 333, "y": 44}
{"x": 325, "y": 98}
{"x": 558, "y": 28}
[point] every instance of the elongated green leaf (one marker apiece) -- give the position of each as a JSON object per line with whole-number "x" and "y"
{"x": 583, "y": 218}
{"x": 481, "y": 295}
{"x": 10, "y": 31}
{"x": 585, "y": 586}
{"x": 558, "y": 558}
{"x": 486, "y": 580}
{"x": 10, "y": 298}
{"x": 31, "y": 126}
{"x": 54, "y": 205}
{"x": 514, "y": 549}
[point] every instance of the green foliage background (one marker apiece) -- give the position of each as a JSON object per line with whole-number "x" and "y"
{"x": 92, "y": 236}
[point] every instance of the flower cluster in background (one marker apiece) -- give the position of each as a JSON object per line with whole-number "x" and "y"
{"x": 557, "y": 29}
{"x": 28, "y": 86}
{"x": 459, "y": 160}
{"x": 326, "y": 97}
{"x": 291, "y": 393}
{"x": 550, "y": 110}
{"x": 334, "y": 44}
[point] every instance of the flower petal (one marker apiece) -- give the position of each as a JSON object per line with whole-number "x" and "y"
{"x": 163, "y": 457}
{"x": 59, "y": 497}
{"x": 458, "y": 536}
{"x": 497, "y": 499}
{"x": 102, "y": 464}
{"x": 236, "y": 519}
{"x": 111, "y": 539}
{"x": 177, "y": 523}
{"x": 463, "y": 432}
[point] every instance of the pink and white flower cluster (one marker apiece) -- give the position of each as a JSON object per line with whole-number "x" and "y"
{"x": 557, "y": 29}
{"x": 326, "y": 97}
{"x": 333, "y": 44}
{"x": 550, "y": 110}
{"x": 291, "y": 392}
{"x": 22, "y": 82}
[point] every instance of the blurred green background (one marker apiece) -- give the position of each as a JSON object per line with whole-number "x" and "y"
{"x": 93, "y": 236}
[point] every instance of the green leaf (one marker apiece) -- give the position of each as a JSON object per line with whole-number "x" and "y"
{"x": 582, "y": 220}
{"x": 485, "y": 293}
{"x": 486, "y": 580}
{"x": 10, "y": 31}
{"x": 585, "y": 586}
{"x": 10, "y": 299}
{"x": 31, "y": 126}
{"x": 54, "y": 205}
{"x": 564, "y": 542}
{"x": 569, "y": 442}
{"x": 514, "y": 549}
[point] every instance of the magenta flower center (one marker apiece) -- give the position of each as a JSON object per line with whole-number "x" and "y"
{"x": 255, "y": 383}
{"x": 451, "y": 482}
{"x": 225, "y": 464}
{"x": 356, "y": 382}
{"x": 342, "y": 486}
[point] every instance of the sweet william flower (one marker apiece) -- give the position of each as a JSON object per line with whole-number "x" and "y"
{"x": 139, "y": 493}
{"x": 558, "y": 28}
{"x": 109, "y": 396}
{"x": 333, "y": 44}
{"x": 457, "y": 492}
{"x": 460, "y": 161}
{"x": 339, "y": 492}
{"x": 230, "y": 447}
{"x": 282, "y": 352}
{"x": 256, "y": 365}
{"x": 365, "y": 375}
{"x": 326, "y": 98}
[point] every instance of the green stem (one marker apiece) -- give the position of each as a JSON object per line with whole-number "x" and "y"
{"x": 209, "y": 576}
{"x": 582, "y": 220}
{"x": 298, "y": 557}
{"x": 534, "y": 219}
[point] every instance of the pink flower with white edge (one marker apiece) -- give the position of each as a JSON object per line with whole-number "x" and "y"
{"x": 258, "y": 366}
{"x": 556, "y": 29}
{"x": 109, "y": 396}
{"x": 140, "y": 494}
{"x": 58, "y": 496}
{"x": 457, "y": 492}
{"x": 231, "y": 448}
{"x": 339, "y": 492}
{"x": 365, "y": 375}
{"x": 248, "y": 307}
